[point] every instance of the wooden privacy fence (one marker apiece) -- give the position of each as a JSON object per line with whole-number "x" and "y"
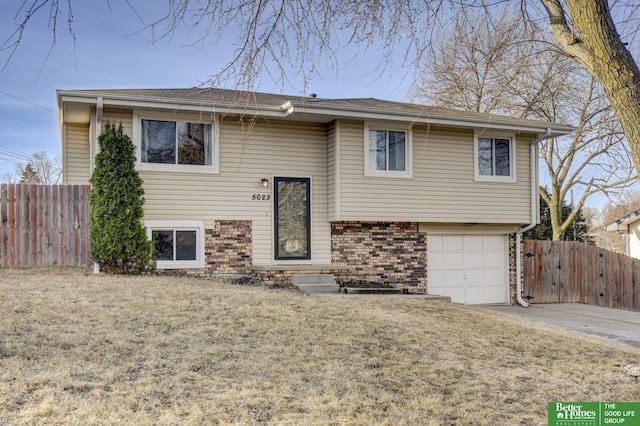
{"x": 44, "y": 225}
{"x": 574, "y": 272}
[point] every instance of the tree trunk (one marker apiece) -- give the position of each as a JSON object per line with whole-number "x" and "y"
{"x": 596, "y": 44}
{"x": 555, "y": 216}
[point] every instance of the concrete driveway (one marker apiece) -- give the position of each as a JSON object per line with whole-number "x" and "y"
{"x": 613, "y": 324}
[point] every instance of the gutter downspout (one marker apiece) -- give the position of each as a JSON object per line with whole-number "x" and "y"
{"x": 534, "y": 214}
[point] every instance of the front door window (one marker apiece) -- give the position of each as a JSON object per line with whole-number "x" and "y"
{"x": 292, "y": 218}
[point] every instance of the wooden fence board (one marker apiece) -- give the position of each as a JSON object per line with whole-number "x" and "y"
{"x": 574, "y": 272}
{"x": 11, "y": 225}
{"x": 3, "y": 225}
{"x": 44, "y": 225}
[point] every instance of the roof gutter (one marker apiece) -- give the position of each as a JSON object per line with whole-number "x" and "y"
{"x": 428, "y": 117}
{"x": 534, "y": 214}
{"x": 315, "y": 108}
{"x": 177, "y": 105}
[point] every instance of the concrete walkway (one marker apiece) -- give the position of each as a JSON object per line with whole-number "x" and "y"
{"x": 613, "y": 324}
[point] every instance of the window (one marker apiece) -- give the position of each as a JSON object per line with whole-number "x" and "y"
{"x": 494, "y": 158}
{"x": 172, "y": 244}
{"x": 387, "y": 151}
{"x": 176, "y": 144}
{"x": 178, "y": 244}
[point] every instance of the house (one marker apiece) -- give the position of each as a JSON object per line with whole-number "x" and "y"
{"x": 422, "y": 198}
{"x": 629, "y": 226}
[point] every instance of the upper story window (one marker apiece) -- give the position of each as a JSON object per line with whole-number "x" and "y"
{"x": 495, "y": 158}
{"x": 182, "y": 145}
{"x": 387, "y": 151}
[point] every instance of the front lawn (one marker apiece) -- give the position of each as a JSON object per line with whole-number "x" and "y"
{"x": 84, "y": 349}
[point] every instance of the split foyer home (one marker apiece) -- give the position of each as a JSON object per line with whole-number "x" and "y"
{"x": 240, "y": 183}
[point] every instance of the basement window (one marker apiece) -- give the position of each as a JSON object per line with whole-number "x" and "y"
{"x": 178, "y": 244}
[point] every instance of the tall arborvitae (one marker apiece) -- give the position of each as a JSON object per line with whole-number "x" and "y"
{"x": 118, "y": 239}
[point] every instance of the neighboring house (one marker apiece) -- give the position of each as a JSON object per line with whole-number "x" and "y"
{"x": 422, "y": 198}
{"x": 629, "y": 226}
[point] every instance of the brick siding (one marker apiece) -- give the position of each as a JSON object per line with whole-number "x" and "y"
{"x": 227, "y": 253}
{"x": 228, "y": 247}
{"x": 393, "y": 253}
{"x": 513, "y": 273}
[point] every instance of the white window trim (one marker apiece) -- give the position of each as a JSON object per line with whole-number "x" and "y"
{"x": 185, "y": 168}
{"x": 180, "y": 225}
{"x": 406, "y": 174}
{"x": 512, "y": 156}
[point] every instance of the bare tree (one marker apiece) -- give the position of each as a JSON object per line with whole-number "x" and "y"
{"x": 491, "y": 69}
{"x": 587, "y": 32}
{"x": 278, "y": 38}
{"x": 594, "y": 160}
{"x": 40, "y": 170}
{"x": 624, "y": 204}
{"x": 8, "y": 177}
{"x": 480, "y": 65}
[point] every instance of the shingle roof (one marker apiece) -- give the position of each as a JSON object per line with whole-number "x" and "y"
{"x": 211, "y": 97}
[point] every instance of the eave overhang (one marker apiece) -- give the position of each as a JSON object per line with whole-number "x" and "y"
{"x": 76, "y": 105}
{"x": 622, "y": 225}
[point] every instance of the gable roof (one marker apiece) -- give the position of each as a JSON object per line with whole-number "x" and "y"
{"x": 296, "y": 108}
{"x": 622, "y": 224}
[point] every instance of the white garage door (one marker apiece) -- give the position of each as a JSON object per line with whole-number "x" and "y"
{"x": 471, "y": 269}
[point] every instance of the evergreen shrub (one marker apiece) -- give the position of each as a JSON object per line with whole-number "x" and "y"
{"x": 119, "y": 241}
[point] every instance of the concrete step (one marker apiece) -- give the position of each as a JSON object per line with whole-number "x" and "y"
{"x": 315, "y": 283}
{"x": 313, "y": 279}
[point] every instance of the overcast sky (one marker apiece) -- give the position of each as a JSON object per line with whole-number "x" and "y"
{"x": 110, "y": 52}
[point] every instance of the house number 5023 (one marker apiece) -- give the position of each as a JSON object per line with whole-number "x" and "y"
{"x": 261, "y": 197}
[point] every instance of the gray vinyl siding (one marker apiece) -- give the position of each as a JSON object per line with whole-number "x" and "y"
{"x": 77, "y": 154}
{"x": 118, "y": 117}
{"x": 248, "y": 153}
{"x": 442, "y": 188}
{"x": 332, "y": 170}
{"x": 246, "y": 156}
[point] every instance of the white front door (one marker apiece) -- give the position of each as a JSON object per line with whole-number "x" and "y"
{"x": 471, "y": 269}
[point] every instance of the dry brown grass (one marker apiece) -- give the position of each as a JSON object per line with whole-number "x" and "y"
{"x": 84, "y": 349}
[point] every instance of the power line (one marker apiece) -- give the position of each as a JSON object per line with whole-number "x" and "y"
{"x": 8, "y": 152}
{"x": 8, "y": 160}
{"x": 26, "y": 101}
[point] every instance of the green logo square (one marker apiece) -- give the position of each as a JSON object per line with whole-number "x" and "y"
{"x": 593, "y": 413}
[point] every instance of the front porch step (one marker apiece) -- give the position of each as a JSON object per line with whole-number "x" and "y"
{"x": 315, "y": 283}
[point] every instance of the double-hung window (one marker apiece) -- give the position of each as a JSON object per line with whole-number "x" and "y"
{"x": 387, "y": 150}
{"x": 183, "y": 145}
{"x": 178, "y": 244}
{"x": 494, "y": 158}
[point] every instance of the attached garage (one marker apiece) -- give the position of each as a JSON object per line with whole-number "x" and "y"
{"x": 471, "y": 269}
